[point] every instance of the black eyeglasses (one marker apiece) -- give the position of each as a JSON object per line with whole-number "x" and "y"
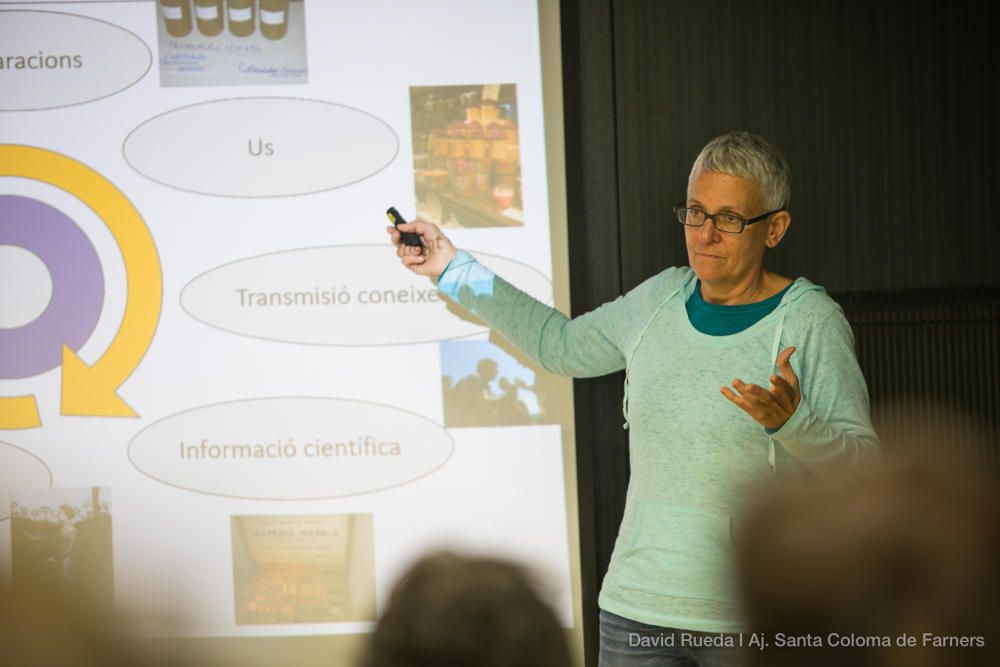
{"x": 724, "y": 222}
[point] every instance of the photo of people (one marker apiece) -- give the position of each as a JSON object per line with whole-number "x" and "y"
{"x": 303, "y": 568}
{"x": 484, "y": 385}
{"x": 232, "y": 42}
{"x": 466, "y": 155}
{"x": 61, "y": 544}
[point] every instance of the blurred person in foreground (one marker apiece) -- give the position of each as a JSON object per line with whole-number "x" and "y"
{"x": 714, "y": 398}
{"x": 454, "y": 611}
{"x": 44, "y": 628}
{"x": 890, "y": 565}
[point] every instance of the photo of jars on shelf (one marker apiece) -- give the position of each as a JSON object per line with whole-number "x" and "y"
{"x": 210, "y": 16}
{"x": 466, "y": 155}
{"x": 231, "y": 42}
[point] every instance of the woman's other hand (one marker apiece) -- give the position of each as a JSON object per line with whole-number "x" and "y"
{"x": 770, "y": 407}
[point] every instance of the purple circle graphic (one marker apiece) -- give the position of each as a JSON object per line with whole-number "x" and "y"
{"x": 77, "y": 286}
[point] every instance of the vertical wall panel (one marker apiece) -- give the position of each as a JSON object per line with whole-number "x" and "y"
{"x": 884, "y": 110}
{"x": 595, "y": 270}
{"x": 931, "y": 361}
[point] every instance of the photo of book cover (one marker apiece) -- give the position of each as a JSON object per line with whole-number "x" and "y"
{"x": 303, "y": 568}
{"x": 466, "y": 155}
{"x": 232, "y": 42}
{"x": 61, "y": 545}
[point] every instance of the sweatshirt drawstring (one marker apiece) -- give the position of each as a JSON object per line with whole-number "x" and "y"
{"x": 631, "y": 352}
{"x": 774, "y": 367}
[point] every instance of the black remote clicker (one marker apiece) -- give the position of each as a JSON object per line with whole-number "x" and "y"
{"x": 407, "y": 238}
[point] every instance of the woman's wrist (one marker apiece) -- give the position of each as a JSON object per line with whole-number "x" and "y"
{"x": 446, "y": 266}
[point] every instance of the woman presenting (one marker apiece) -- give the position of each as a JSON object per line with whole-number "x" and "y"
{"x": 732, "y": 372}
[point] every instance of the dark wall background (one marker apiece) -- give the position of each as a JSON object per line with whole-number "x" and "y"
{"x": 886, "y": 112}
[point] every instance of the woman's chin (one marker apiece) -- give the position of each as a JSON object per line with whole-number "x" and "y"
{"x": 706, "y": 274}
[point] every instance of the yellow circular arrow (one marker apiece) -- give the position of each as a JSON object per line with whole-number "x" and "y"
{"x": 92, "y": 390}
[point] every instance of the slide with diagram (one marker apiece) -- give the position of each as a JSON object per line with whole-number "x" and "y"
{"x": 220, "y": 392}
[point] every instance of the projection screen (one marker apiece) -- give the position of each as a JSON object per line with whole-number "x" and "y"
{"x": 222, "y": 399}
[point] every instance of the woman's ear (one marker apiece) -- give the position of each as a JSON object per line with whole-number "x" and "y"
{"x": 777, "y": 225}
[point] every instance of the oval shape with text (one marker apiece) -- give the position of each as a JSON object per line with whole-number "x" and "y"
{"x": 261, "y": 147}
{"x": 51, "y": 60}
{"x": 356, "y": 295}
{"x": 20, "y": 469}
{"x": 290, "y": 448}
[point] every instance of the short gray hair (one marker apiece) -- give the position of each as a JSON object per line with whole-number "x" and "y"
{"x": 753, "y": 158}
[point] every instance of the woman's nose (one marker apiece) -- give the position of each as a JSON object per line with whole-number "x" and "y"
{"x": 708, "y": 232}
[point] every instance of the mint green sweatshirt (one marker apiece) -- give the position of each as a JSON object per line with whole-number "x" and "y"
{"x": 693, "y": 453}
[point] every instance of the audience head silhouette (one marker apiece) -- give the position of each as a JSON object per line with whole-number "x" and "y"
{"x": 454, "y": 611}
